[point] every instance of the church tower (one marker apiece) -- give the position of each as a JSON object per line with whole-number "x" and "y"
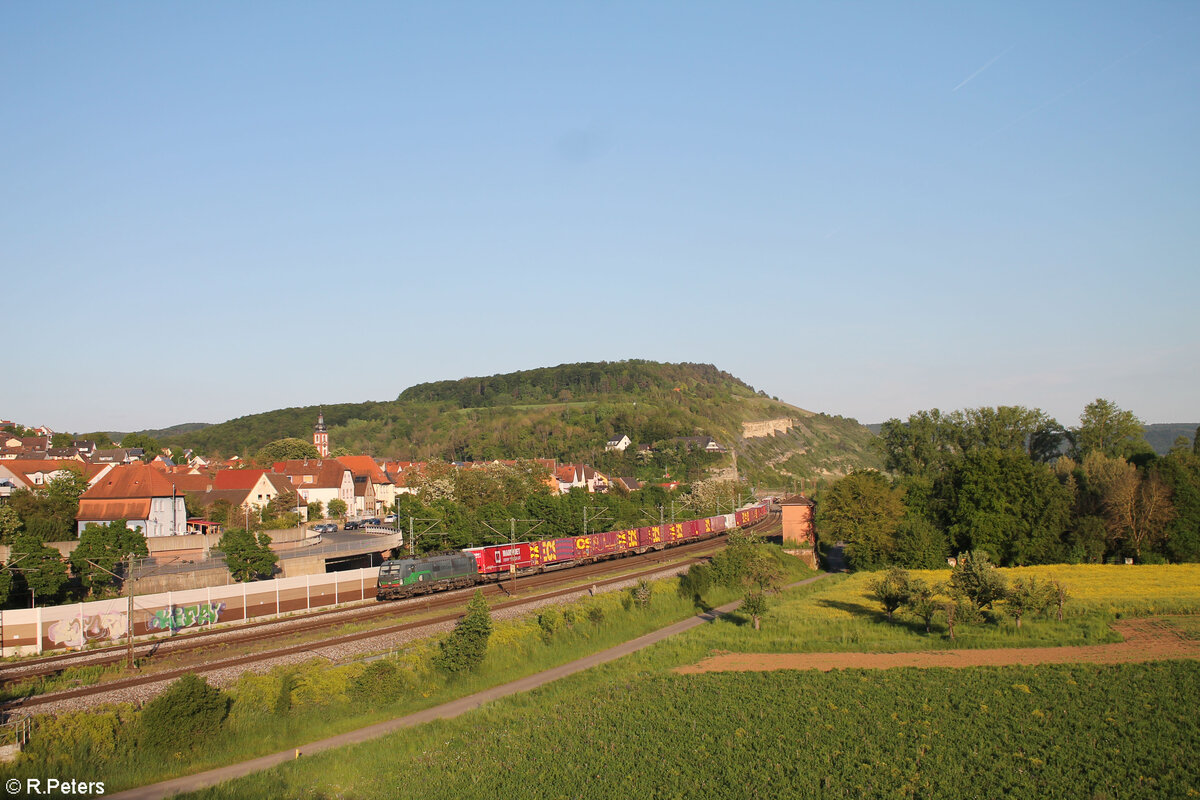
{"x": 321, "y": 436}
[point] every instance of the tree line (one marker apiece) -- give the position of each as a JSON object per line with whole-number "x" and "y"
{"x": 1013, "y": 483}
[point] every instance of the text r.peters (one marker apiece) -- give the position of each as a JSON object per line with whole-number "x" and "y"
{"x": 35, "y": 787}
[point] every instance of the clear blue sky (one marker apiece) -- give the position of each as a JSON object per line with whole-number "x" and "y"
{"x": 214, "y": 209}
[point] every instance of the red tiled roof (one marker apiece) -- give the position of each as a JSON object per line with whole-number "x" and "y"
{"x": 131, "y": 481}
{"x": 364, "y": 465}
{"x": 190, "y": 483}
{"x": 237, "y": 478}
{"x": 109, "y": 510}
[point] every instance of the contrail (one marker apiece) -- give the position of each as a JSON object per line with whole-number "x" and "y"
{"x": 1070, "y": 90}
{"x": 976, "y": 73}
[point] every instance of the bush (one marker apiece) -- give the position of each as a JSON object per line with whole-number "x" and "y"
{"x": 642, "y": 593}
{"x": 549, "y": 621}
{"x": 380, "y": 682}
{"x": 465, "y": 647}
{"x": 184, "y": 715}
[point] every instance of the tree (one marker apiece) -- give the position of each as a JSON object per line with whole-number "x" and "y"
{"x": 150, "y": 446}
{"x": 923, "y": 601}
{"x": 61, "y": 440}
{"x": 864, "y": 511}
{"x": 1027, "y": 596}
{"x": 755, "y": 604}
{"x": 42, "y": 568}
{"x": 976, "y": 578}
{"x": 286, "y": 450}
{"x": 1181, "y": 472}
{"x": 1105, "y": 428}
{"x": 337, "y": 508}
{"x": 921, "y": 446}
{"x": 247, "y": 556}
{"x": 1060, "y": 596}
{"x": 100, "y": 548}
{"x": 1001, "y": 502}
{"x": 892, "y": 589}
{"x": 316, "y": 510}
{"x": 10, "y": 524}
{"x": 464, "y": 649}
{"x": 189, "y": 711}
{"x": 1136, "y": 504}
{"x": 6, "y": 584}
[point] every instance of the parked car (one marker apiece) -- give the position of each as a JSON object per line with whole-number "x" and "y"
{"x": 372, "y": 521}
{"x": 390, "y": 519}
{"x": 352, "y": 525}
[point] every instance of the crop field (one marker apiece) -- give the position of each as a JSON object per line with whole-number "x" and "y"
{"x": 635, "y": 728}
{"x": 1068, "y": 731}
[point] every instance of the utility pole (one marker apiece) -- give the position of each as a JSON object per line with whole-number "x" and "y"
{"x": 128, "y": 580}
{"x": 512, "y": 543}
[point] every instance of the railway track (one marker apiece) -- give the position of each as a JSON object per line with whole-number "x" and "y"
{"x": 276, "y": 629}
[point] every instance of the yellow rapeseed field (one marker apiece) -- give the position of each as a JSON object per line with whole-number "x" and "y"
{"x": 1113, "y": 589}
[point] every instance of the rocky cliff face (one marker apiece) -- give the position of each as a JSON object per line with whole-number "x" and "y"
{"x": 770, "y": 427}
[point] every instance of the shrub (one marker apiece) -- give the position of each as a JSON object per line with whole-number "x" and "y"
{"x": 549, "y": 621}
{"x": 380, "y": 682}
{"x": 642, "y": 593}
{"x": 465, "y": 647}
{"x": 283, "y": 698}
{"x": 182, "y": 716}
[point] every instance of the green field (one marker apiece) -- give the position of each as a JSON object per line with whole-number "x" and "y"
{"x": 1080, "y": 731}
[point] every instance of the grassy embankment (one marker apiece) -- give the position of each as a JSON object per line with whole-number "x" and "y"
{"x": 634, "y": 728}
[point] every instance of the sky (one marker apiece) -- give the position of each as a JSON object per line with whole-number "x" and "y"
{"x": 210, "y": 210}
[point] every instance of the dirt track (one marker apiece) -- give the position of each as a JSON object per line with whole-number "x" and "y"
{"x": 1145, "y": 640}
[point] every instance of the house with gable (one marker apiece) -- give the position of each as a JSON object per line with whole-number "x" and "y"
{"x": 143, "y": 496}
{"x": 319, "y": 480}
{"x": 371, "y": 484}
{"x": 581, "y": 476}
{"x": 34, "y": 473}
{"x": 618, "y": 442}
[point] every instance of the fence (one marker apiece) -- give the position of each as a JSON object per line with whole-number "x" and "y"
{"x": 35, "y": 630}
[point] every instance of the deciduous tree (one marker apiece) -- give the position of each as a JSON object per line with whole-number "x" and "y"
{"x": 41, "y": 568}
{"x": 891, "y": 589}
{"x": 247, "y": 556}
{"x": 976, "y": 579}
{"x": 100, "y": 548}
{"x": 864, "y": 511}
{"x": 285, "y": 450}
{"x": 1104, "y": 427}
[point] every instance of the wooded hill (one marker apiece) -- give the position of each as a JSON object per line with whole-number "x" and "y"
{"x": 568, "y": 412}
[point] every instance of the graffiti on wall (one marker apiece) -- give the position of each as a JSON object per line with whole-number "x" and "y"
{"x": 78, "y": 631}
{"x": 176, "y": 617}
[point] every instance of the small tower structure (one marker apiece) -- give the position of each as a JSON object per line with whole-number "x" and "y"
{"x": 799, "y": 527}
{"x": 321, "y": 436}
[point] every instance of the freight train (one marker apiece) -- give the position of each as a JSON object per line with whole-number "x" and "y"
{"x": 406, "y": 577}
